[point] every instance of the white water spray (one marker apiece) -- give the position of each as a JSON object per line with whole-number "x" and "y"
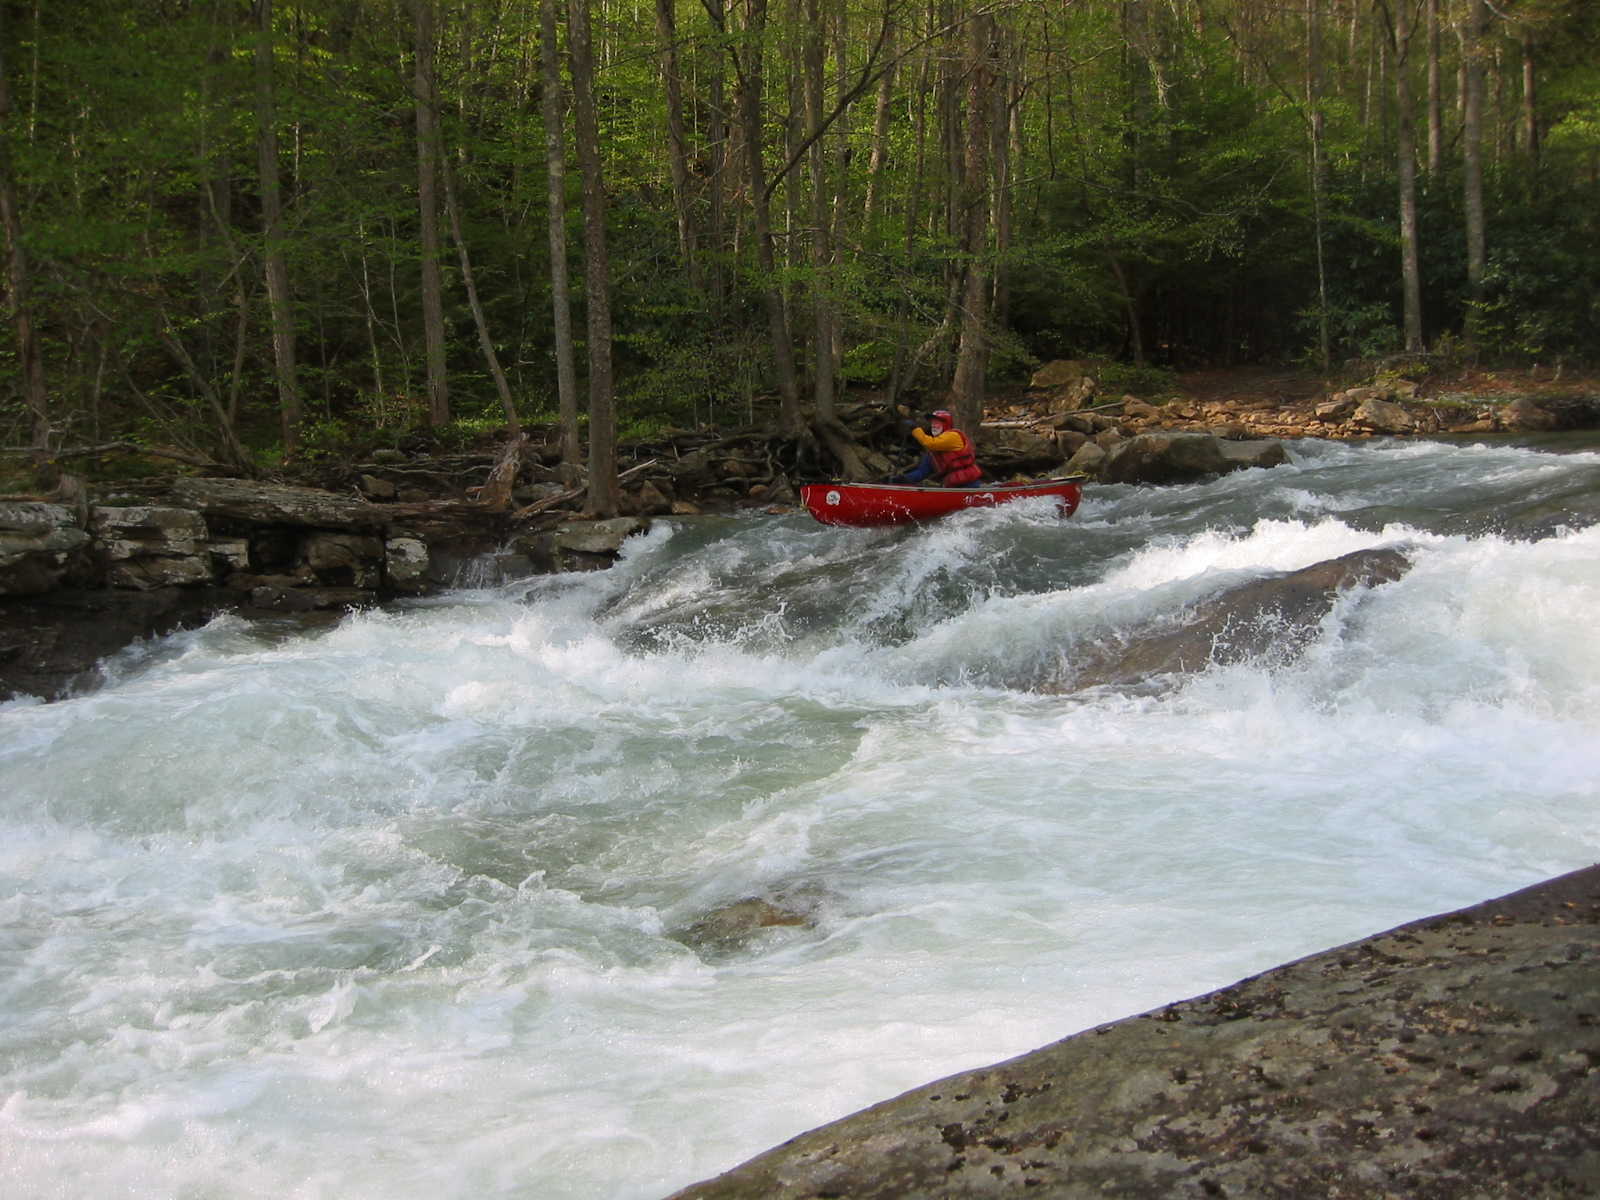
{"x": 397, "y": 908}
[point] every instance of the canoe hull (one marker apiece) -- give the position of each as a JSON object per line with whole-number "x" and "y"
{"x": 867, "y": 504}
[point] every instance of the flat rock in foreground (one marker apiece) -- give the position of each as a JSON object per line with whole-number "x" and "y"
{"x": 1457, "y": 1056}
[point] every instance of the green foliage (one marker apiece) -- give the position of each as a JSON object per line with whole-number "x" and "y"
{"x": 869, "y": 363}
{"x": 1160, "y": 204}
{"x": 691, "y": 384}
{"x": 1146, "y": 382}
{"x": 1403, "y": 370}
{"x": 1010, "y": 360}
{"x": 1541, "y": 295}
{"x": 1354, "y": 331}
{"x": 327, "y": 440}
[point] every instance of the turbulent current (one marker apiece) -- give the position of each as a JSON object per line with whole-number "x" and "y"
{"x": 402, "y": 907}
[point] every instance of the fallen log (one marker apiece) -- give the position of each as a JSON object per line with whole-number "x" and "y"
{"x": 549, "y": 502}
{"x": 183, "y": 456}
{"x": 495, "y": 493}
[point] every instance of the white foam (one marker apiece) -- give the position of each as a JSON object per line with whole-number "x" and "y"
{"x": 393, "y": 908}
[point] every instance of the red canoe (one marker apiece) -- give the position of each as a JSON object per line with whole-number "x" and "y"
{"x": 895, "y": 504}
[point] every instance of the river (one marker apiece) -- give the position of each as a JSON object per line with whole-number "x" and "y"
{"x": 395, "y": 908}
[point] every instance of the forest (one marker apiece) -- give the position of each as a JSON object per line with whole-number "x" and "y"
{"x": 254, "y": 232}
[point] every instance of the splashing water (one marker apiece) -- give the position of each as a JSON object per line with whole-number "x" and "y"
{"x": 397, "y": 908}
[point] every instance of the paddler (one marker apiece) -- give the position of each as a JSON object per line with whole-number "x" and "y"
{"x": 948, "y": 455}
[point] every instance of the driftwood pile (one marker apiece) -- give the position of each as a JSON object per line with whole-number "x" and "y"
{"x": 676, "y": 471}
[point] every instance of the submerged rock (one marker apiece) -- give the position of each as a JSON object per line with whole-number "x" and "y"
{"x": 1454, "y": 1056}
{"x": 733, "y": 926}
{"x": 51, "y": 646}
{"x": 1274, "y": 617}
{"x": 598, "y": 537}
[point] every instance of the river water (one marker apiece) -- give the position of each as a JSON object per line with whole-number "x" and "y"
{"x": 396, "y": 908}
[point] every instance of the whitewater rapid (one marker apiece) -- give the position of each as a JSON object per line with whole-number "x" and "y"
{"x": 397, "y": 908}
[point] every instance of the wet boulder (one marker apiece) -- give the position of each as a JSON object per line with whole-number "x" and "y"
{"x": 649, "y": 500}
{"x": 598, "y": 537}
{"x": 1185, "y": 458}
{"x": 1061, "y": 373}
{"x": 1453, "y": 1056}
{"x": 51, "y": 644}
{"x": 734, "y": 926}
{"x": 346, "y": 559}
{"x": 1007, "y": 451}
{"x": 40, "y": 544}
{"x": 269, "y": 597}
{"x": 1088, "y": 459}
{"x": 1090, "y": 424}
{"x": 1335, "y": 409}
{"x": 153, "y": 546}
{"x": 375, "y": 487}
{"x": 578, "y": 545}
{"x": 1274, "y": 618}
{"x": 1137, "y": 410}
{"x": 1375, "y": 414}
{"x": 406, "y": 564}
{"x": 1524, "y": 415}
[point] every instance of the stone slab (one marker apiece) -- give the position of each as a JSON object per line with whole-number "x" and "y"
{"x": 1457, "y": 1056}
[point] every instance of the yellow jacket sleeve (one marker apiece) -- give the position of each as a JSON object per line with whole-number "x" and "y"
{"x": 948, "y": 441}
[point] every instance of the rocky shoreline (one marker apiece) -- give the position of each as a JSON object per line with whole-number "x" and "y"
{"x": 1455, "y": 1056}
{"x": 79, "y": 584}
{"x": 85, "y": 572}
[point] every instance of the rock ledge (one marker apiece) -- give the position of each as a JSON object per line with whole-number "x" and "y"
{"x": 1457, "y": 1056}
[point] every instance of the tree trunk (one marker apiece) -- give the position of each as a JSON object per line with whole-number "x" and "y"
{"x": 1472, "y": 159}
{"x": 748, "y": 66}
{"x": 495, "y": 493}
{"x": 1405, "y": 139}
{"x": 1006, "y": 147}
{"x": 380, "y": 390}
{"x": 1435, "y": 95}
{"x": 972, "y": 354}
{"x": 502, "y": 388}
{"x": 603, "y": 490}
{"x": 919, "y": 174}
{"x": 29, "y": 356}
{"x": 241, "y": 343}
{"x": 793, "y": 115}
{"x": 879, "y": 157}
{"x": 216, "y": 198}
{"x": 216, "y": 194}
{"x": 276, "y": 268}
{"x": 677, "y": 142}
{"x": 1319, "y": 174}
{"x": 233, "y": 452}
{"x": 1130, "y": 304}
{"x": 428, "y": 213}
{"x": 556, "y": 196}
{"x": 841, "y": 178}
{"x": 1530, "y": 119}
{"x": 952, "y": 130}
{"x": 717, "y": 135}
{"x": 822, "y": 309}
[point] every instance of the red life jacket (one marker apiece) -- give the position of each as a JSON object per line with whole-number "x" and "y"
{"x": 956, "y": 467}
